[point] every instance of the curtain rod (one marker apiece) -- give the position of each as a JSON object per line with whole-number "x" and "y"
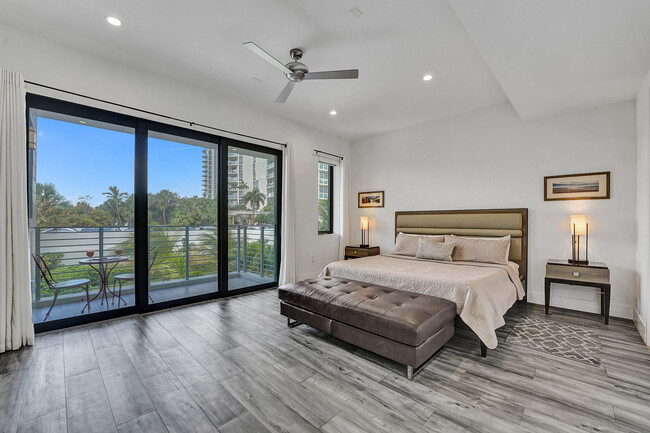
{"x": 156, "y": 114}
{"x": 330, "y": 154}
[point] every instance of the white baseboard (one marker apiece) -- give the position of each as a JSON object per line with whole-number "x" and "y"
{"x": 640, "y": 326}
{"x": 587, "y": 305}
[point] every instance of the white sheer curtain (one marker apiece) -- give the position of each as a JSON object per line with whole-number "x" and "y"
{"x": 343, "y": 210}
{"x": 16, "y": 329}
{"x": 288, "y": 241}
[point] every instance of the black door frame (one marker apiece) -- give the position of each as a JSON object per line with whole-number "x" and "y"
{"x": 141, "y": 241}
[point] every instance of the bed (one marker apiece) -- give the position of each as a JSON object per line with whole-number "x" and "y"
{"x": 483, "y": 292}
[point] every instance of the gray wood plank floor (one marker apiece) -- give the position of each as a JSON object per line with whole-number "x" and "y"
{"x": 233, "y": 366}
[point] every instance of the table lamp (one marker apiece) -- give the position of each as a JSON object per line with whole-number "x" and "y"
{"x": 579, "y": 227}
{"x": 365, "y": 232}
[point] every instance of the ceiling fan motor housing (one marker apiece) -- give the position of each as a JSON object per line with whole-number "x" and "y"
{"x": 298, "y": 71}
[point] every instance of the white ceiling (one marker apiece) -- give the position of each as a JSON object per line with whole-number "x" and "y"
{"x": 553, "y": 56}
{"x": 548, "y": 56}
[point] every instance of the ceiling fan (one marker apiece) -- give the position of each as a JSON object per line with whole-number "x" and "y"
{"x": 296, "y": 71}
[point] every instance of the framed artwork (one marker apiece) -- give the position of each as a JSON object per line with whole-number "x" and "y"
{"x": 585, "y": 186}
{"x": 371, "y": 199}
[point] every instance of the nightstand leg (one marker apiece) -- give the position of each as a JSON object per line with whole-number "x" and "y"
{"x": 547, "y": 294}
{"x": 602, "y": 302}
{"x": 607, "y": 292}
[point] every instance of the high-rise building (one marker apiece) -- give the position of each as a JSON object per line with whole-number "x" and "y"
{"x": 210, "y": 169}
{"x": 323, "y": 181}
{"x": 270, "y": 179}
{"x": 245, "y": 173}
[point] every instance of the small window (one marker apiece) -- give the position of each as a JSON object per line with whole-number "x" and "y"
{"x": 325, "y": 197}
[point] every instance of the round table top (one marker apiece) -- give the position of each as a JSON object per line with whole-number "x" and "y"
{"x": 103, "y": 260}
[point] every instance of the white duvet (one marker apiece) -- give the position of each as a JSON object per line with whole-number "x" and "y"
{"x": 483, "y": 292}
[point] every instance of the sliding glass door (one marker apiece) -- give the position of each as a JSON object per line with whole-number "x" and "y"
{"x": 182, "y": 215}
{"x": 81, "y": 214}
{"x": 252, "y": 217}
{"x": 129, "y": 215}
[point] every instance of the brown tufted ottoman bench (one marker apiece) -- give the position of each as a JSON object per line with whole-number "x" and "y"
{"x": 403, "y": 326}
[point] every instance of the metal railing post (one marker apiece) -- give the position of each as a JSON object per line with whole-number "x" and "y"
{"x": 187, "y": 252}
{"x": 238, "y": 248}
{"x": 37, "y": 248}
{"x": 101, "y": 242}
{"x": 262, "y": 251}
{"x": 246, "y": 248}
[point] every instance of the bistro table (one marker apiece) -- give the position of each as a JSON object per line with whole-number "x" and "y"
{"x": 103, "y": 266}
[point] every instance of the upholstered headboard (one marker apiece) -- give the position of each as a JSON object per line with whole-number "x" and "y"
{"x": 475, "y": 222}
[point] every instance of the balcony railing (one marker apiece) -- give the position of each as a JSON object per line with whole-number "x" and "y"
{"x": 185, "y": 253}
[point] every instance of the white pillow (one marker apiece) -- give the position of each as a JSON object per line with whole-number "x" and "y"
{"x": 496, "y": 250}
{"x": 435, "y": 250}
{"x": 407, "y": 245}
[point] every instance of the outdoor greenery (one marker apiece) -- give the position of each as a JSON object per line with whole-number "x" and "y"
{"x": 323, "y": 215}
{"x": 165, "y": 208}
{"x": 169, "y": 215}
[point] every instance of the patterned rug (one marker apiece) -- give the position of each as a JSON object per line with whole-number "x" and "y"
{"x": 559, "y": 339}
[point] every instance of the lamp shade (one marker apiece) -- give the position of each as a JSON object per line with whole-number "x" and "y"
{"x": 579, "y": 223}
{"x": 364, "y": 223}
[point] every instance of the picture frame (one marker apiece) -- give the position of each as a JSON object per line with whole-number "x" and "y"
{"x": 582, "y": 186}
{"x": 371, "y": 199}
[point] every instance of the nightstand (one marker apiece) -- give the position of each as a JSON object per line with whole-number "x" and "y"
{"x": 594, "y": 274}
{"x": 355, "y": 251}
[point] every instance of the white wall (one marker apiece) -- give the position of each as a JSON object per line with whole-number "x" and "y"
{"x": 642, "y": 308}
{"x": 44, "y": 62}
{"x": 489, "y": 158}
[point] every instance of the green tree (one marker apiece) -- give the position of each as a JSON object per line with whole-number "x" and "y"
{"x": 270, "y": 205}
{"x": 255, "y": 199}
{"x": 115, "y": 198}
{"x": 323, "y": 215}
{"x": 161, "y": 202}
{"x": 51, "y": 206}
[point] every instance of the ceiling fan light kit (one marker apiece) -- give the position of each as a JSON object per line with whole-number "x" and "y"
{"x": 296, "y": 71}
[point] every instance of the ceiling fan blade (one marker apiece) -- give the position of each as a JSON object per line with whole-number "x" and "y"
{"x": 326, "y": 75}
{"x": 282, "y": 97}
{"x": 266, "y": 56}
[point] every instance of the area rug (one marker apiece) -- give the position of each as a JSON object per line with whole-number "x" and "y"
{"x": 568, "y": 341}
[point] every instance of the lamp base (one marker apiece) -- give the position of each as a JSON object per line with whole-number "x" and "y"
{"x": 579, "y": 262}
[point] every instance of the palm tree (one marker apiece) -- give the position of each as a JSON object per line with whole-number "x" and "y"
{"x": 255, "y": 198}
{"x": 162, "y": 201}
{"x": 115, "y": 197}
{"x": 50, "y": 205}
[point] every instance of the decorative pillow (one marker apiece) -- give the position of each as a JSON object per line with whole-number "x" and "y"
{"x": 407, "y": 245}
{"x": 495, "y": 250}
{"x": 434, "y": 250}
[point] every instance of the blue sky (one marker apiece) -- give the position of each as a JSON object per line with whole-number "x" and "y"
{"x": 84, "y": 160}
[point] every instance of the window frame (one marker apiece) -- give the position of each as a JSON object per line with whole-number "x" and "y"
{"x": 330, "y": 197}
{"x": 142, "y": 127}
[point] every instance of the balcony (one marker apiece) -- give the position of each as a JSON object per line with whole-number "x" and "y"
{"x": 186, "y": 264}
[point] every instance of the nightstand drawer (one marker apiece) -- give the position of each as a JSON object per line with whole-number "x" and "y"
{"x": 359, "y": 252}
{"x": 577, "y": 273}
{"x": 353, "y": 252}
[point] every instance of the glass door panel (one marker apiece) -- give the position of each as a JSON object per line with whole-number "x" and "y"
{"x": 80, "y": 215}
{"x": 252, "y": 218}
{"x": 182, "y": 202}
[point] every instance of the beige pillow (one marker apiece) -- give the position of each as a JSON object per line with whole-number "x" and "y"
{"x": 430, "y": 250}
{"x": 407, "y": 245}
{"x": 484, "y": 250}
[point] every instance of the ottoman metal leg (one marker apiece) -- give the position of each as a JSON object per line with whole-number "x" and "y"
{"x": 291, "y": 324}
{"x": 409, "y": 372}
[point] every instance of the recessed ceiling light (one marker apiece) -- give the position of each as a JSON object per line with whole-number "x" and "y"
{"x": 114, "y": 21}
{"x": 83, "y": 122}
{"x": 427, "y": 77}
{"x": 333, "y": 113}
